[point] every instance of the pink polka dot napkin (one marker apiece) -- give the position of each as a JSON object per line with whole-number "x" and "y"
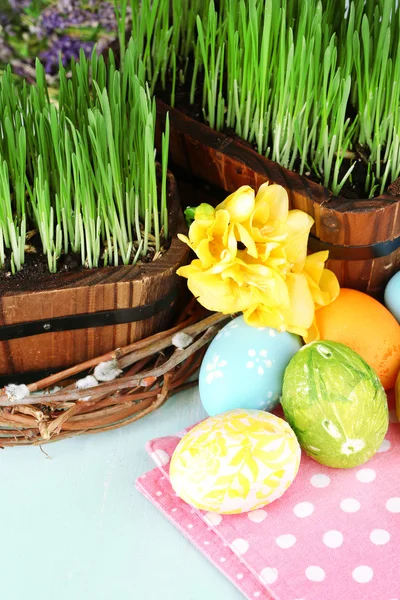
{"x": 334, "y": 535}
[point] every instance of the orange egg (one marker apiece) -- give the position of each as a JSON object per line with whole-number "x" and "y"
{"x": 366, "y": 326}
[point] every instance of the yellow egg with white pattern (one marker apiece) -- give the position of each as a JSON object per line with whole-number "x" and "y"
{"x": 235, "y": 462}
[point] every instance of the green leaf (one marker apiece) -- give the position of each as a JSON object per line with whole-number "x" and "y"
{"x": 189, "y": 215}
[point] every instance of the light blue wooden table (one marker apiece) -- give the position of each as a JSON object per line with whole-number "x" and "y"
{"x": 73, "y": 526}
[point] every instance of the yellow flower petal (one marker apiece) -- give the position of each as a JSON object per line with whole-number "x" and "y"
{"x": 312, "y": 334}
{"x": 267, "y": 221}
{"x": 276, "y": 198}
{"x": 315, "y": 264}
{"x": 240, "y": 204}
{"x": 327, "y": 290}
{"x": 330, "y": 285}
{"x": 188, "y": 270}
{"x": 203, "y": 252}
{"x": 297, "y": 226}
{"x": 184, "y": 239}
{"x": 261, "y": 315}
{"x": 246, "y": 239}
{"x": 220, "y": 225}
{"x": 323, "y": 283}
{"x": 217, "y": 294}
{"x": 299, "y": 316}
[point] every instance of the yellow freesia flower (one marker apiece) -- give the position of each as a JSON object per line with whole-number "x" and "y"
{"x": 252, "y": 258}
{"x": 239, "y": 205}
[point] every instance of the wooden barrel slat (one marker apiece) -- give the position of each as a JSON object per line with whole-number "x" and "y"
{"x": 228, "y": 163}
{"x": 91, "y": 291}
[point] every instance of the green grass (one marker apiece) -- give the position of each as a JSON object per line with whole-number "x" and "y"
{"x": 313, "y": 85}
{"x": 308, "y": 82}
{"x": 83, "y": 173}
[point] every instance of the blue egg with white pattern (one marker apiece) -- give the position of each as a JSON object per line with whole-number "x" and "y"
{"x": 244, "y": 367}
{"x": 392, "y": 296}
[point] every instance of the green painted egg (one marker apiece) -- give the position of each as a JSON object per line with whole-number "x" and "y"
{"x": 335, "y": 404}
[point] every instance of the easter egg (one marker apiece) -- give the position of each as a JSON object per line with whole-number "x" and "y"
{"x": 392, "y": 296}
{"x": 235, "y": 462}
{"x": 244, "y": 366}
{"x": 335, "y": 404}
{"x": 367, "y": 327}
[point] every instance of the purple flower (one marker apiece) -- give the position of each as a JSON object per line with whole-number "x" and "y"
{"x": 18, "y": 5}
{"x": 68, "y": 13}
{"x": 67, "y": 48}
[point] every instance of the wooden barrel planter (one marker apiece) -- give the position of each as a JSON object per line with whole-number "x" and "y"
{"x": 73, "y": 317}
{"x": 362, "y": 236}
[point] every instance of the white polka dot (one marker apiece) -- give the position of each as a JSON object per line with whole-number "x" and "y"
{"x": 320, "y": 480}
{"x": 333, "y": 539}
{"x": 158, "y": 493}
{"x": 257, "y": 516}
{"x": 269, "y": 575}
{"x": 303, "y": 509}
{"x": 190, "y": 526}
{"x": 222, "y": 559}
{"x": 206, "y": 543}
{"x": 213, "y": 518}
{"x": 350, "y": 505}
{"x": 393, "y": 416}
{"x": 393, "y": 505}
{"x": 362, "y": 574}
{"x": 240, "y": 546}
{"x": 315, "y": 573}
{"x": 385, "y": 446}
{"x": 174, "y": 510}
{"x": 285, "y": 541}
{"x": 366, "y": 475}
{"x": 160, "y": 457}
{"x": 251, "y": 352}
{"x": 272, "y": 332}
{"x": 239, "y": 575}
{"x": 379, "y": 537}
{"x": 257, "y": 594}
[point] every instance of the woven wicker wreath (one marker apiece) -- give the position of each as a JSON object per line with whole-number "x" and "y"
{"x": 110, "y": 391}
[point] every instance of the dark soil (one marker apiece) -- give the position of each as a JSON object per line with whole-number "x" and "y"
{"x": 35, "y": 272}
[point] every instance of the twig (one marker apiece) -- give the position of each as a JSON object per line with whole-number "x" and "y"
{"x": 115, "y": 354}
{"x": 138, "y": 350}
{"x": 125, "y": 382}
